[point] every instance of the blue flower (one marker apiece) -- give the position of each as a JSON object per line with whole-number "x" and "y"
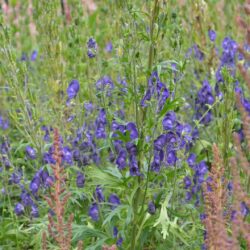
{"x": 151, "y": 207}
{"x": 80, "y": 180}
{"x": 94, "y": 212}
{"x": 99, "y": 194}
{"x": 109, "y": 47}
{"x": 19, "y": 209}
{"x": 114, "y": 200}
{"x": 72, "y": 90}
{"x": 92, "y": 47}
{"x": 30, "y": 152}
{"x": 212, "y": 35}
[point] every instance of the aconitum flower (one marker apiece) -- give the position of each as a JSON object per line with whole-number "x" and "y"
{"x": 109, "y": 47}
{"x": 151, "y": 207}
{"x": 99, "y": 194}
{"x": 19, "y": 209}
{"x": 34, "y": 185}
{"x": 105, "y": 83}
{"x": 131, "y": 127}
{"x": 187, "y": 182}
{"x": 92, "y": 47}
{"x": 94, "y": 212}
{"x": 114, "y": 200}
{"x": 26, "y": 198}
{"x": 169, "y": 120}
{"x": 191, "y": 160}
{"x": 34, "y": 211}
{"x": 212, "y": 35}
{"x": 155, "y": 89}
{"x": 15, "y": 178}
{"x": 121, "y": 159}
{"x": 72, "y": 90}
{"x": 34, "y": 55}
{"x": 119, "y": 242}
{"x": 133, "y": 166}
{"x": 80, "y": 180}
{"x": 30, "y": 152}
{"x": 4, "y": 123}
{"x": 204, "y": 98}
{"x": 115, "y": 232}
{"x": 67, "y": 155}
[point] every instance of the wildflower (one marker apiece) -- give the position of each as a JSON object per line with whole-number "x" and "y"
{"x": 114, "y": 200}
{"x": 105, "y": 83}
{"x": 80, "y": 180}
{"x": 212, "y": 35}
{"x": 19, "y": 209}
{"x": 191, "y": 160}
{"x": 92, "y": 48}
{"x": 4, "y": 123}
{"x": 151, "y": 207}
{"x": 109, "y": 47}
{"x": 133, "y": 166}
{"x": 121, "y": 159}
{"x": 33, "y": 56}
{"x": 15, "y": 178}
{"x": 34, "y": 211}
{"x": 99, "y": 194}
{"x": 131, "y": 127}
{"x": 119, "y": 242}
{"x": 34, "y": 185}
{"x": 67, "y": 155}
{"x": 72, "y": 90}
{"x": 187, "y": 182}
{"x": 26, "y": 198}
{"x": 30, "y": 152}
{"x": 115, "y": 232}
{"x": 94, "y": 212}
{"x": 169, "y": 120}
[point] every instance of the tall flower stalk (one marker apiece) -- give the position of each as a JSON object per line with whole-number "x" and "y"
{"x": 60, "y": 230}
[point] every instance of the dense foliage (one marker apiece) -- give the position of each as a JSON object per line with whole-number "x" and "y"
{"x": 109, "y": 113}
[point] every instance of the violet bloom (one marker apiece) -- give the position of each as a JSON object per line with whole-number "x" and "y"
{"x": 160, "y": 142}
{"x": 92, "y": 48}
{"x": 109, "y": 47}
{"x": 169, "y": 120}
{"x": 34, "y": 55}
{"x": 26, "y": 198}
{"x": 4, "y": 123}
{"x": 105, "y": 83}
{"x": 121, "y": 159}
{"x": 34, "y": 185}
{"x": 212, "y": 35}
{"x": 191, "y": 160}
{"x": 19, "y": 209}
{"x": 99, "y": 194}
{"x": 94, "y": 212}
{"x": 67, "y": 155}
{"x": 30, "y": 152}
{"x": 151, "y": 207}
{"x": 34, "y": 211}
{"x": 80, "y": 180}
{"x": 72, "y": 90}
{"x": 131, "y": 127}
{"x": 114, "y": 200}
{"x": 133, "y": 166}
{"x": 119, "y": 242}
{"x": 187, "y": 182}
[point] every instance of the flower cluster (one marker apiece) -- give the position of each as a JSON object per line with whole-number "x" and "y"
{"x": 194, "y": 185}
{"x": 92, "y": 47}
{"x": 203, "y": 101}
{"x": 177, "y": 137}
{"x": 155, "y": 88}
